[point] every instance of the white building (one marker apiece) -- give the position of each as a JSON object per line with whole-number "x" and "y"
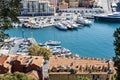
{"x": 85, "y": 12}
{"x": 107, "y": 5}
{"x": 36, "y": 8}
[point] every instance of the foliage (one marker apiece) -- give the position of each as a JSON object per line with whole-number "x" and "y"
{"x": 9, "y": 10}
{"x": 117, "y": 52}
{"x": 82, "y": 78}
{"x": 3, "y": 36}
{"x": 113, "y": 77}
{"x": 36, "y": 50}
{"x": 16, "y": 76}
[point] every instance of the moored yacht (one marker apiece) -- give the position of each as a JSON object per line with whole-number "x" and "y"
{"x": 54, "y": 43}
{"x": 72, "y": 24}
{"x": 61, "y": 26}
{"x": 67, "y": 25}
{"x": 113, "y": 17}
{"x": 83, "y": 21}
{"x": 58, "y": 50}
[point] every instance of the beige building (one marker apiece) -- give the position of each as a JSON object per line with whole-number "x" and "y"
{"x": 74, "y": 3}
{"x": 63, "y": 5}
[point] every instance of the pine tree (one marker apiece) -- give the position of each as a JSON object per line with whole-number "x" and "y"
{"x": 9, "y": 10}
{"x": 117, "y": 52}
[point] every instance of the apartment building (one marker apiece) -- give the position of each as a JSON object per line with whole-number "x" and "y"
{"x": 36, "y": 8}
{"x": 73, "y": 3}
{"x": 63, "y": 5}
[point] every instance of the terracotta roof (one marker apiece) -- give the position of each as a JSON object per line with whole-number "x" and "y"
{"x": 74, "y": 63}
{"x": 37, "y": 60}
{"x": 3, "y": 58}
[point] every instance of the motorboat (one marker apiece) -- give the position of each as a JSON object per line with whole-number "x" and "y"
{"x": 58, "y": 50}
{"x": 36, "y": 25}
{"x": 51, "y": 42}
{"x": 15, "y": 24}
{"x": 67, "y": 25}
{"x": 83, "y": 21}
{"x": 112, "y": 17}
{"x": 61, "y": 26}
{"x": 26, "y": 24}
{"x": 72, "y": 24}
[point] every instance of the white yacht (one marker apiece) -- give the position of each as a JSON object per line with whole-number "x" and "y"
{"x": 83, "y": 21}
{"x": 36, "y": 25}
{"x": 15, "y": 24}
{"x": 67, "y": 25}
{"x": 112, "y": 17}
{"x": 61, "y": 26}
{"x": 51, "y": 42}
{"x": 72, "y": 24}
{"x": 58, "y": 50}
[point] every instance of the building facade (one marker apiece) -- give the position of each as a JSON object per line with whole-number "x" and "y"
{"x": 86, "y": 3}
{"x": 36, "y": 8}
{"x": 74, "y": 3}
{"x": 63, "y": 5}
{"x": 106, "y": 4}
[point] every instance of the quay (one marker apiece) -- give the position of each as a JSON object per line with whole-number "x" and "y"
{"x": 17, "y": 45}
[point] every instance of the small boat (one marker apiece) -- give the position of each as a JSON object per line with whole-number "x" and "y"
{"x": 58, "y": 50}
{"x": 36, "y": 25}
{"x": 72, "y": 24}
{"x": 83, "y": 21}
{"x": 61, "y": 26}
{"x": 67, "y": 25}
{"x": 53, "y": 43}
{"x": 26, "y": 24}
{"x": 15, "y": 24}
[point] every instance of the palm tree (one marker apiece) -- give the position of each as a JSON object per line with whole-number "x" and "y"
{"x": 46, "y": 53}
{"x": 36, "y": 50}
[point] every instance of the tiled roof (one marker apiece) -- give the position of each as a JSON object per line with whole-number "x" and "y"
{"x": 3, "y": 58}
{"x": 77, "y": 63}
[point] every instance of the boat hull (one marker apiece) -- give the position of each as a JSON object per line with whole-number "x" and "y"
{"x": 61, "y": 27}
{"x": 107, "y": 19}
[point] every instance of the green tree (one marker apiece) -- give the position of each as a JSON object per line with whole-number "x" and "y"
{"x": 46, "y": 53}
{"x": 36, "y": 50}
{"x": 9, "y": 10}
{"x": 16, "y": 76}
{"x": 82, "y": 78}
{"x": 117, "y": 52}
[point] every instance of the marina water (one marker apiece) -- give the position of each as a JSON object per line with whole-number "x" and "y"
{"x": 95, "y": 40}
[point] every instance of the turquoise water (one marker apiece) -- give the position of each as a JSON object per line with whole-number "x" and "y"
{"x": 92, "y": 41}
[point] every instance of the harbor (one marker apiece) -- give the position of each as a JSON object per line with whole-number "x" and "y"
{"x": 68, "y": 20}
{"x": 95, "y": 40}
